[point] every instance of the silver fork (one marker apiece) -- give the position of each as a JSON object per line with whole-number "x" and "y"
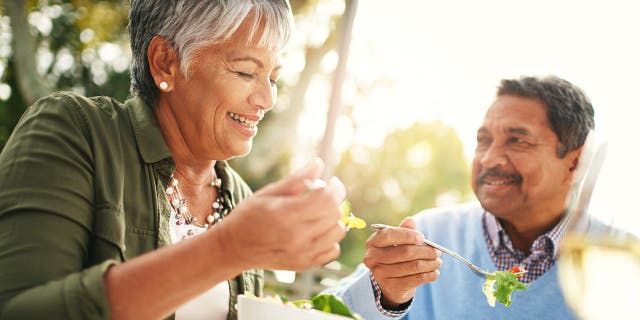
{"x": 477, "y": 270}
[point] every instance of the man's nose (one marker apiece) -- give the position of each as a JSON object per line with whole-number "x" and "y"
{"x": 493, "y": 156}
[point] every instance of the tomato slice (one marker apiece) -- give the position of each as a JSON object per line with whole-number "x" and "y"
{"x": 515, "y": 269}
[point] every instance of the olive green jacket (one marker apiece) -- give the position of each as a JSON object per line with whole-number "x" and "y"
{"x": 82, "y": 185}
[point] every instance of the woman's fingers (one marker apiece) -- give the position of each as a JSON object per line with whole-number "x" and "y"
{"x": 326, "y": 256}
{"x": 296, "y": 183}
{"x": 295, "y": 230}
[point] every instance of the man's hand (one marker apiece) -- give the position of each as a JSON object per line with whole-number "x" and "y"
{"x": 400, "y": 262}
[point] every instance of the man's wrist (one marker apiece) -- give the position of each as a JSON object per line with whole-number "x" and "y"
{"x": 395, "y": 312}
{"x": 394, "y": 306}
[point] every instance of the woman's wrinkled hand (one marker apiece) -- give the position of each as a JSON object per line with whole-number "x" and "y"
{"x": 287, "y": 226}
{"x": 398, "y": 264}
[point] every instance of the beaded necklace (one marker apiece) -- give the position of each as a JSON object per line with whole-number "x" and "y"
{"x": 183, "y": 223}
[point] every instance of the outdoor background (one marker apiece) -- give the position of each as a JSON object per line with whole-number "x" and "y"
{"x": 419, "y": 75}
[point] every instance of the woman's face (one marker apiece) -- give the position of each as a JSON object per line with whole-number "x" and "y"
{"x": 229, "y": 89}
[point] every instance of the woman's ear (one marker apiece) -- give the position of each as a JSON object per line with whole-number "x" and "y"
{"x": 164, "y": 64}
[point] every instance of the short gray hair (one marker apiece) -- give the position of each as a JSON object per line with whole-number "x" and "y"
{"x": 569, "y": 110}
{"x": 189, "y": 25}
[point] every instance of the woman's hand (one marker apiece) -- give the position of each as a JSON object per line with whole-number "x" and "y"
{"x": 398, "y": 264}
{"x": 286, "y": 226}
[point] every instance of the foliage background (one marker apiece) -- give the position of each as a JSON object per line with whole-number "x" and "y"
{"x": 82, "y": 45}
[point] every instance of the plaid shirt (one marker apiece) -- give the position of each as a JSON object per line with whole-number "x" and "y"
{"x": 544, "y": 249}
{"x": 377, "y": 293}
{"x": 544, "y": 252}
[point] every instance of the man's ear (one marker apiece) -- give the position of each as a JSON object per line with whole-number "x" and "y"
{"x": 574, "y": 165}
{"x": 164, "y": 64}
{"x": 574, "y": 157}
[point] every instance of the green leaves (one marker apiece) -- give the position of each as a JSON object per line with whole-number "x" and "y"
{"x": 328, "y": 303}
{"x": 488, "y": 289}
{"x": 501, "y": 287}
{"x": 322, "y": 302}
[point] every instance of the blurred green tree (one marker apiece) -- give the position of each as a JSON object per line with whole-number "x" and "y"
{"x": 50, "y": 45}
{"x": 83, "y": 46}
{"x": 271, "y": 154}
{"x": 416, "y": 168}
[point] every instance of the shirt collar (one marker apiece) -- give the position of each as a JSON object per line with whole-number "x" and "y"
{"x": 149, "y": 139}
{"x": 493, "y": 227}
{"x": 223, "y": 171}
{"x": 496, "y": 233}
{"x": 154, "y": 149}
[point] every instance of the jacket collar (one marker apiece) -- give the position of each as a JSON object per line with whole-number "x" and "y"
{"x": 153, "y": 148}
{"x": 151, "y": 143}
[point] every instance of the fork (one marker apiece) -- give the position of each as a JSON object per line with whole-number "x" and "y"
{"x": 476, "y": 270}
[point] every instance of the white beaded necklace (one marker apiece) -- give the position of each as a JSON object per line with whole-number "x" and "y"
{"x": 183, "y": 223}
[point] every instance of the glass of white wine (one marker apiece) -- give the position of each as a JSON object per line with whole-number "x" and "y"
{"x": 599, "y": 265}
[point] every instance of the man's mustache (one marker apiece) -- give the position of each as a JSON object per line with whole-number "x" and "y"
{"x": 495, "y": 173}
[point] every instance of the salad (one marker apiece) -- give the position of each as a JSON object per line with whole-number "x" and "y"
{"x": 327, "y": 303}
{"x": 349, "y": 220}
{"x": 502, "y": 285}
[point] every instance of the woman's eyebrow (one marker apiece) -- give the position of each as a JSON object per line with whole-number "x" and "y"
{"x": 249, "y": 58}
{"x": 255, "y": 60}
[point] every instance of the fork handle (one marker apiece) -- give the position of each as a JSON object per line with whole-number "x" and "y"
{"x": 477, "y": 270}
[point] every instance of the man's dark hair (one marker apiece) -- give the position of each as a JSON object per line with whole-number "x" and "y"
{"x": 569, "y": 111}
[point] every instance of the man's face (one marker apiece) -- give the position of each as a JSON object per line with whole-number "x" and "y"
{"x": 516, "y": 172}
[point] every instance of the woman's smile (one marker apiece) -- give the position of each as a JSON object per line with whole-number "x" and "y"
{"x": 247, "y": 125}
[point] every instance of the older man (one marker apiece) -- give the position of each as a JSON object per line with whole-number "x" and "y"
{"x": 527, "y": 151}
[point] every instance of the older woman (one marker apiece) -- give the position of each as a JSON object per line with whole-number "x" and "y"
{"x": 93, "y": 191}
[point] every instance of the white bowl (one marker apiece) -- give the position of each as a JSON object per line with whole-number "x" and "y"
{"x": 251, "y": 308}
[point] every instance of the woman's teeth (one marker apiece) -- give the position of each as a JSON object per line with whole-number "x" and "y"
{"x": 243, "y": 121}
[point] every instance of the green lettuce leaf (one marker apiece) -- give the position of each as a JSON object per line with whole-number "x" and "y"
{"x": 330, "y": 304}
{"x": 487, "y": 289}
{"x": 501, "y": 286}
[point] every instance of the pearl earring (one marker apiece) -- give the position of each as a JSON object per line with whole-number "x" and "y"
{"x": 164, "y": 85}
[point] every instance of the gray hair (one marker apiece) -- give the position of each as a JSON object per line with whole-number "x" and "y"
{"x": 190, "y": 25}
{"x": 569, "y": 111}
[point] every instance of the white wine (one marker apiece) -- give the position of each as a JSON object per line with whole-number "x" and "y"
{"x": 600, "y": 277}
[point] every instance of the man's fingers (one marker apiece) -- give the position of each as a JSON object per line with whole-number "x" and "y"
{"x": 398, "y": 254}
{"x": 407, "y": 268}
{"x": 408, "y": 223}
{"x": 409, "y": 281}
{"x": 393, "y": 236}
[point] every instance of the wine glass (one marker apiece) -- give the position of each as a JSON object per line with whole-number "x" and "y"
{"x": 599, "y": 264}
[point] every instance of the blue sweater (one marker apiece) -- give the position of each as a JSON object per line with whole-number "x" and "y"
{"x": 457, "y": 294}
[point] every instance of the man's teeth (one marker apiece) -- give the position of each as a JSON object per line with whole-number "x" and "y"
{"x": 243, "y": 121}
{"x": 497, "y": 182}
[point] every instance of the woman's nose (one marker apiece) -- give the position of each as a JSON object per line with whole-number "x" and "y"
{"x": 264, "y": 96}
